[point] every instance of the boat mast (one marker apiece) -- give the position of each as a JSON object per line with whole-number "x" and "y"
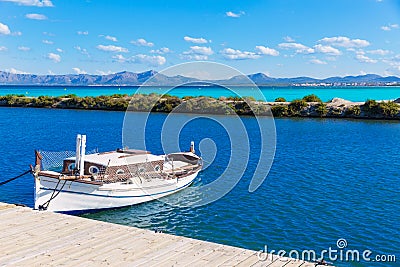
{"x": 82, "y": 156}
{"x": 78, "y": 151}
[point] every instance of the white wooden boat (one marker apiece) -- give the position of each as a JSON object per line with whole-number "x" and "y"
{"x": 112, "y": 179}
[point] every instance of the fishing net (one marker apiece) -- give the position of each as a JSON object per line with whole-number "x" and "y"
{"x": 129, "y": 171}
{"x": 132, "y": 173}
{"x": 53, "y": 160}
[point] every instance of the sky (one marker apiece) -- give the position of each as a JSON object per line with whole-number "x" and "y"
{"x": 281, "y": 38}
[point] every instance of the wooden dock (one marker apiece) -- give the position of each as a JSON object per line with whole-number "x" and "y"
{"x": 33, "y": 238}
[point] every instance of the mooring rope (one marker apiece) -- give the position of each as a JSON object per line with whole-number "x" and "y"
{"x": 53, "y": 196}
{"x": 14, "y": 178}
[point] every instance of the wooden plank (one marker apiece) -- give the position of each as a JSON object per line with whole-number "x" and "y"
{"x": 280, "y": 261}
{"x": 309, "y": 264}
{"x": 113, "y": 247}
{"x": 250, "y": 261}
{"x": 53, "y": 255}
{"x": 294, "y": 263}
{"x": 239, "y": 257}
{"x": 36, "y": 253}
{"x": 173, "y": 257}
{"x": 82, "y": 246}
{"x": 33, "y": 238}
{"x": 28, "y": 224}
{"x": 161, "y": 252}
{"x": 4, "y": 206}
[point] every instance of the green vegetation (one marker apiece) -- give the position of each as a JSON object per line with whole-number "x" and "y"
{"x": 354, "y": 111}
{"x": 312, "y": 98}
{"x": 296, "y": 106}
{"x": 321, "y": 109}
{"x": 388, "y": 109}
{"x": 370, "y": 107}
{"x": 280, "y": 110}
{"x": 280, "y": 99}
{"x": 207, "y": 105}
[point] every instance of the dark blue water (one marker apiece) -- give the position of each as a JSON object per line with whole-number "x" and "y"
{"x": 330, "y": 179}
{"x": 270, "y": 93}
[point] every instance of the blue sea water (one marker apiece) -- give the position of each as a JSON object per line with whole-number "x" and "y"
{"x": 270, "y": 93}
{"x": 330, "y": 179}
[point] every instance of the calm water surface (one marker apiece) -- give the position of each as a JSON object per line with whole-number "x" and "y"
{"x": 330, "y": 179}
{"x": 270, "y": 93}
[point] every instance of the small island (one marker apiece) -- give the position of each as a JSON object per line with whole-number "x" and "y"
{"x": 308, "y": 106}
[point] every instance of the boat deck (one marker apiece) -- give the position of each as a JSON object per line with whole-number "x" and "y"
{"x": 32, "y": 238}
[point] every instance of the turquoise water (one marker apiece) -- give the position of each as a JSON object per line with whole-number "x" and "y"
{"x": 270, "y": 93}
{"x": 330, "y": 179}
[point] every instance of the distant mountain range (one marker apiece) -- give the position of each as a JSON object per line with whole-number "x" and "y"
{"x": 128, "y": 78}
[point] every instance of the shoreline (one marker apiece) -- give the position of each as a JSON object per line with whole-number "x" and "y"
{"x": 308, "y": 107}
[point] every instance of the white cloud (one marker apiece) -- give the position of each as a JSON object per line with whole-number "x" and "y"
{"x": 266, "y": 51}
{"x": 326, "y": 49}
{"x": 142, "y": 59}
{"x": 4, "y": 29}
{"x": 112, "y": 48}
{"x": 82, "y": 50}
{"x": 109, "y": 37}
{"x": 379, "y": 52}
{"x": 150, "y": 60}
{"x": 24, "y": 48}
{"x": 318, "y": 62}
{"x": 201, "y": 50}
{"x": 195, "y": 40}
{"x": 101, "y": 72}
{"x": 195, "y": 57}
{"x": 394, "y": 64}
{"x": 3, "y": 48}
{"x": 15, "y": 71}
{"x": 390, "y": 27}
{"x": 37, "y": 3}
{"x": 36, "y": 16}
{"x": 198, "y": 53}
{"x": 48, "y": 34}
{"x": 346, "y": 42}
{"x": 232, "y": 54}
{"x": 288, "y": 39}
{"x": 47, "y": 42}
{"x": 363, "y": 72}
{"x": 55, "y": 57}
{"x": 79, "y": 71}
{"x": 59, "y": 50}
{"x": 163, "y": 50}
{"x": 361, "y": 57}
{"x": 142, "y": 42}
{"x": 234, "y": 15}
{"x": 82, "y": 32}
{"x": 119, "y": 58}
{"x": 299, "y": 48}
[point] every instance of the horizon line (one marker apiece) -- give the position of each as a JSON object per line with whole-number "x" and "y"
{"x": 141, "y": 72}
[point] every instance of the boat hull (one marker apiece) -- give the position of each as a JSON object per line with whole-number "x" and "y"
{"x": 65, "y": 196}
